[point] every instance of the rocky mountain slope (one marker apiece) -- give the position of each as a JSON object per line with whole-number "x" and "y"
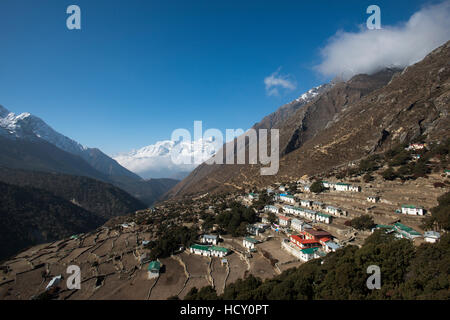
{"x": 353, "y": 119}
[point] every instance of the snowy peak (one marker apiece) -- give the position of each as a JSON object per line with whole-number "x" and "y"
{"x": 313, "y": 93}
{"x": 27, "y": 126}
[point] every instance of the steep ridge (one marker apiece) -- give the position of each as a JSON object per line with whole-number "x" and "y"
{"x": 29, "y": 216}
{"x": 100, "y": 198}
{"x": 367, "y": 114}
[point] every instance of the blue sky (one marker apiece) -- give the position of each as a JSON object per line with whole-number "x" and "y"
{"x": 140, "y": 69}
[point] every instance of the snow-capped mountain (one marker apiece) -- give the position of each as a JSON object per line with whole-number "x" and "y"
{"x": 173, "y": 159}
{"x": 26, "y": 126}
{"x": 312, "y": 93}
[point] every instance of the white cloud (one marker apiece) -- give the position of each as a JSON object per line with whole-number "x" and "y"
{"x": 277, "y": 81}
{"x": 368, "y": 51}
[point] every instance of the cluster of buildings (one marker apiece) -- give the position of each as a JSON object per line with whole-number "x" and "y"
{"x": 312, "y": 215}
{"x": 310, "y": 244}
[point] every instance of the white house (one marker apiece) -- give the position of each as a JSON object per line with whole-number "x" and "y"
{"x": 297, "y": 224}
{"x": 153, "y": 269}
{"x": 332, "y": 210}
{"x": 412, "y": 210}
{"x": 317, "y": 205}
{"x": 431, "y": 236}
{"x": 218, "y": 251}
{"x": 208, "y": 251}
{"x": 287, "y": 198}
{"x": 322, "y": 217}
{"x": 373, "y": 199}
{"x": 284, "y": 221}
{"x": 210, "y": 239}
{"x": 307, "y": 188}
{"x": 282, "y": 188}
{"x": 249, "y": 243}
{"x": 342, "y": 186}
{"x": 306, "y": 203}
{"x": 354, "y": 188}
{"x": 270, "y": 208}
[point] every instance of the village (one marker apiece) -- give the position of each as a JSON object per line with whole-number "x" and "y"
{"x": 278, "y": 227}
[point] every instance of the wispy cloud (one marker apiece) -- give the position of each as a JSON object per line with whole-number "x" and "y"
{"x": 276, "y": 82}
{"x": 368, "y": 51}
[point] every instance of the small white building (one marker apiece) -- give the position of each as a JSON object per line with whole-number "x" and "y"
{"x": 287, "y": 198}
{"x": 431, "y": 236}
{"x": 284, "y": 221}
{"x": 342, "y": 186}
{"x": 270, "y": 208}
{"x": 153, "y": 269}
{"x": 412, "y": 210}
{"x": 317, "y": 205}
{"x": 297, "y": 224}
{"x": 354, "y": 188}
{"x": 306, "y": 203}
{"x": 333, "y": 210}
{"x": 249, "y": 243}
{"x": 322, "y": 217}
{"x": 210, "y": 239}
{"x": 373, "y": 199}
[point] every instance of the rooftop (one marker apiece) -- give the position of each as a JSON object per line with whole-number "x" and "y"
{"x": 251, "y": 240}
{"x": 154, "y": 266}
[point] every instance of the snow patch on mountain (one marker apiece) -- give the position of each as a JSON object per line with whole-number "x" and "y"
{"x": 313, "y": 93}
{"x": 27, "y": 126}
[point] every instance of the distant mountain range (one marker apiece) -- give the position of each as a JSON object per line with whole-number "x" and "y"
{"x": 27, "y": 142}
{"x": 344, "y": 122}
{"x": 156, "y": 160}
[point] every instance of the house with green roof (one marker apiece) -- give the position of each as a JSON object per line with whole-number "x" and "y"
{"x": 308, "y": 254}
{"x": 249, "y": 243}
{"x": 154, "y": 267}
{"x": 322, "y": 217}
